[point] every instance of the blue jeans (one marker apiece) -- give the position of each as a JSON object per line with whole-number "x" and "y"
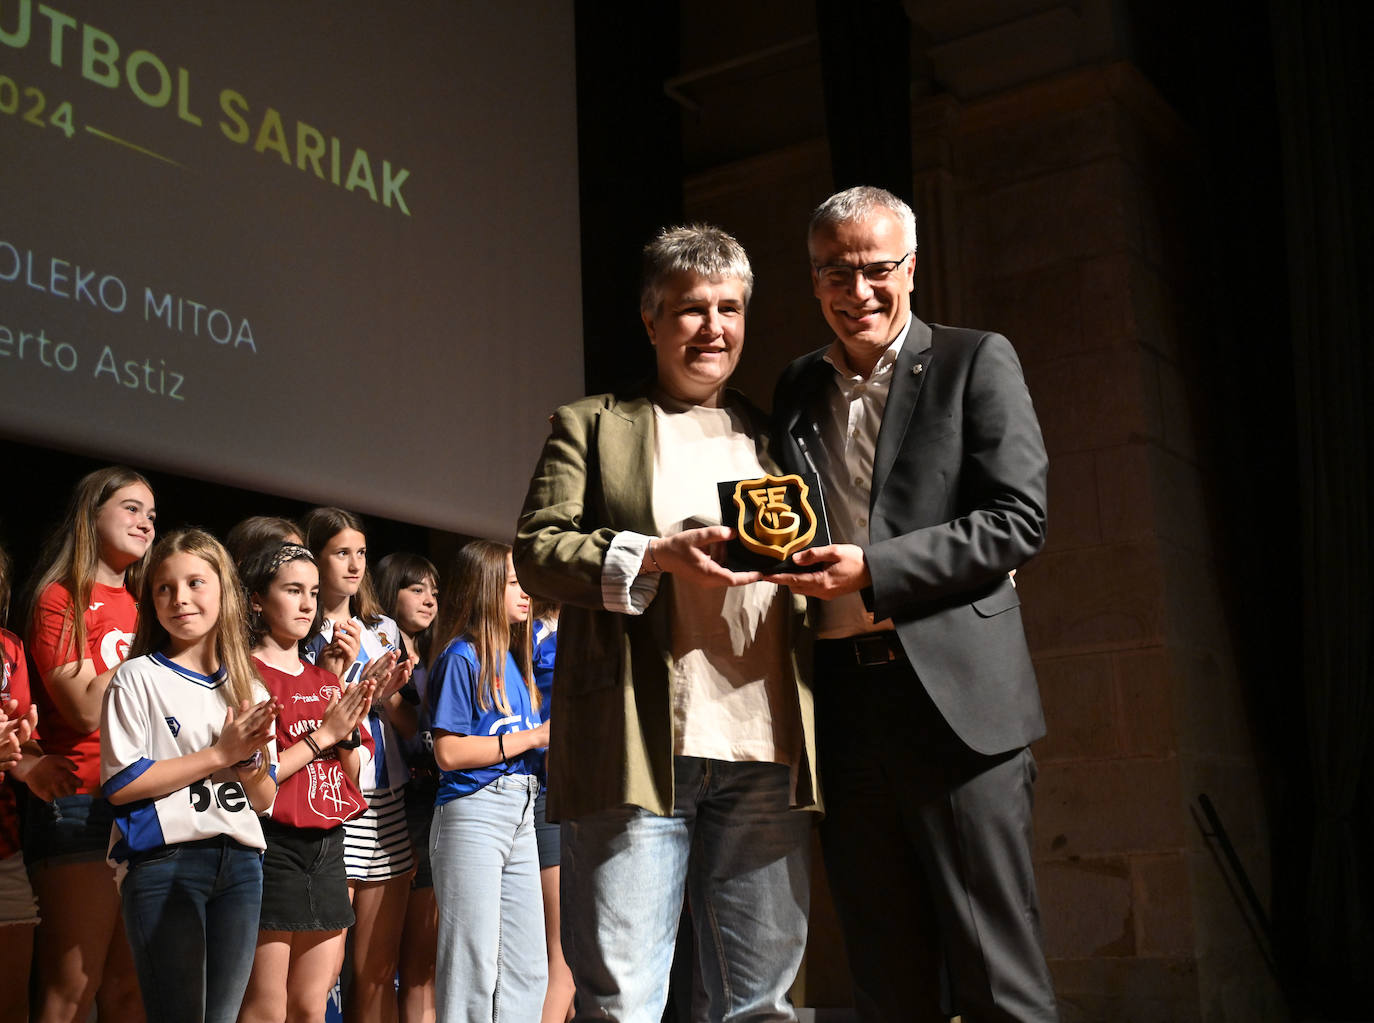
{"x": 191, "y": 914}
{"x": 490, "y": 965}
{"x": 744, "y": 860}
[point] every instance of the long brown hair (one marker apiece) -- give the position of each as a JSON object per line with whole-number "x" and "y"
{"x": 231, "y": 631}
{"x": 319, "y": 526}
{"x": 396, "y": 572}
{"x": 4, "y": 587}
{"x": 474, "y": 606}
{"x": 72, "y": 553}
{"x": 258, "y": 531}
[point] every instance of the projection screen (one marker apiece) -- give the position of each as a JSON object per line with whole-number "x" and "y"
{"x": 319, "y": 249}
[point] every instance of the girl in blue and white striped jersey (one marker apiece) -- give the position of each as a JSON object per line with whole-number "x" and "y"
{"x": 187, "y": 761}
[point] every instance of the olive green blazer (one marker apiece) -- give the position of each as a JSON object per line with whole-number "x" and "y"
{"x": 612, "y": 731}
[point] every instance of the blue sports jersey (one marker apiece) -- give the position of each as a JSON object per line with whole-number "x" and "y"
{"x": 545, "y": 652}
{"x": 453, "y": 682}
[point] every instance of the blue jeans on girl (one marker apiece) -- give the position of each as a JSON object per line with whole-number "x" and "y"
{"x": 491, "y": 964}
{"x": 191, "y": 914}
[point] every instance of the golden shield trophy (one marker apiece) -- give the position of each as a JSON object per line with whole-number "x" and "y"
{"x": 774, "y": 518}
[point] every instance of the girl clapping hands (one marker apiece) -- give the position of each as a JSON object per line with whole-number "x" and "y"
{"x": 305, "y": 892}
{"x": 187, "y": 760}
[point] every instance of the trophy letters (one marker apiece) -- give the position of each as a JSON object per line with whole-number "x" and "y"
{"x": 774, "y": 517}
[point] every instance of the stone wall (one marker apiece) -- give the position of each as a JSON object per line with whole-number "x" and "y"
{"x": 1057, "y": 212}
{"x": 1074, "y": 199}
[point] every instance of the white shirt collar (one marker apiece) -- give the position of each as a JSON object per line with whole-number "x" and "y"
{"x": 835, "y": 356}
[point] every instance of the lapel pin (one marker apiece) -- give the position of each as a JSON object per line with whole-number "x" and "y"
{"x": 917, "y": 368}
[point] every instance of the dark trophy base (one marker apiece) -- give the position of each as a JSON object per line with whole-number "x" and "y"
{"x": 775, "y": 518}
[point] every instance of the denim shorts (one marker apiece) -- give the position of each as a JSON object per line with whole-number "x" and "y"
{"x": 72, "y": 829}
{"x": 546, "y": 836}
{"x": 419, "y": 813}
{"x": 303, "y": 883}
{"x": 17, "y": 904}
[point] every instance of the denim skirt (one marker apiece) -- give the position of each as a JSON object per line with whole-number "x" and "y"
{"x": 303, "y": 883}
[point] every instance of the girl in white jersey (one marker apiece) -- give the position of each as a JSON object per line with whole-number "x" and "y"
{"x": 377, "y": 850}
{"x": 186, "y": 760}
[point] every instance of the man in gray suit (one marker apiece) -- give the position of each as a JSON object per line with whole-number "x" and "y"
{"x": 933, "y": 470}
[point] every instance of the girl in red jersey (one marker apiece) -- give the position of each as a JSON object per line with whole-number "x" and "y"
{"x": 305, "y": 907}
{"x": 81, "y": 622}
{"x": 18, "y": 910}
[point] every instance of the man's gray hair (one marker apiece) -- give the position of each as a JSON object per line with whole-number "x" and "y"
{"x": 859, "y": 203}
{"x": 701, "y": 249}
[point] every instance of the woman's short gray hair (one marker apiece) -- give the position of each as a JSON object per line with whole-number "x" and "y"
{"x": 702, "y": 249}
{"x": 859, "y": 203}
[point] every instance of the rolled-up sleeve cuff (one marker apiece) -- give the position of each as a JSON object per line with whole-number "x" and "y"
{"x": 623, "y": 587}
{"x": 128, "y": 774}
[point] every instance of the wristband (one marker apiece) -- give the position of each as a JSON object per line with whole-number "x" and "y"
{"x": 501, "y": 745}
{"x": 653, "y": 560}
{"x": 309, "y": 739}
{"x": 253, "y": 762}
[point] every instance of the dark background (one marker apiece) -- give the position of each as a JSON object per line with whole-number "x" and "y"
{"x": 1276, "y": 98}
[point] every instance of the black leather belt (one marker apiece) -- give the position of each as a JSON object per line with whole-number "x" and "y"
{"x": 866, "y": 651}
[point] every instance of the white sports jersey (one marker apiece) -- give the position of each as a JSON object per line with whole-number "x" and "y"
{"x": 387, "y": 772}
{"x": 156, "y": 710}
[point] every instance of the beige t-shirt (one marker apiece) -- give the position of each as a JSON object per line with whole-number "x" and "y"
{"x": 732, "y": 692}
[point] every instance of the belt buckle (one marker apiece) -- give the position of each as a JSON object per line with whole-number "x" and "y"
{"x": 872, "y": 650}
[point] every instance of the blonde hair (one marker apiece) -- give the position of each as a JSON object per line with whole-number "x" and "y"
{"x": 231, "y": 630}
{"x": 474, "y": 606}
{"x": 72, "y": 553}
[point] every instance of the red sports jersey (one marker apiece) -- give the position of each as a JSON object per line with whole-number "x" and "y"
{"x": 321, "y": 794}
{"x": 111, "y": 619}
{"x": 14, "y": 685}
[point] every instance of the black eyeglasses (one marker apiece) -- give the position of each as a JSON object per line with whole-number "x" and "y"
{"x": 841, "y": 275}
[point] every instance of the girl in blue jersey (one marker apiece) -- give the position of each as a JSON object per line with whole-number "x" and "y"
{"x": 186, "y": 762}
{"x": 490, "y": 963}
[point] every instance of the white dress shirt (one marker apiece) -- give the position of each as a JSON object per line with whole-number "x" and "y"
{"x": 849, "y": 424}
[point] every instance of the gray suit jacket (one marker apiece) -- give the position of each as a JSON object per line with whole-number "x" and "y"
{"x": 958, "y": 501}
